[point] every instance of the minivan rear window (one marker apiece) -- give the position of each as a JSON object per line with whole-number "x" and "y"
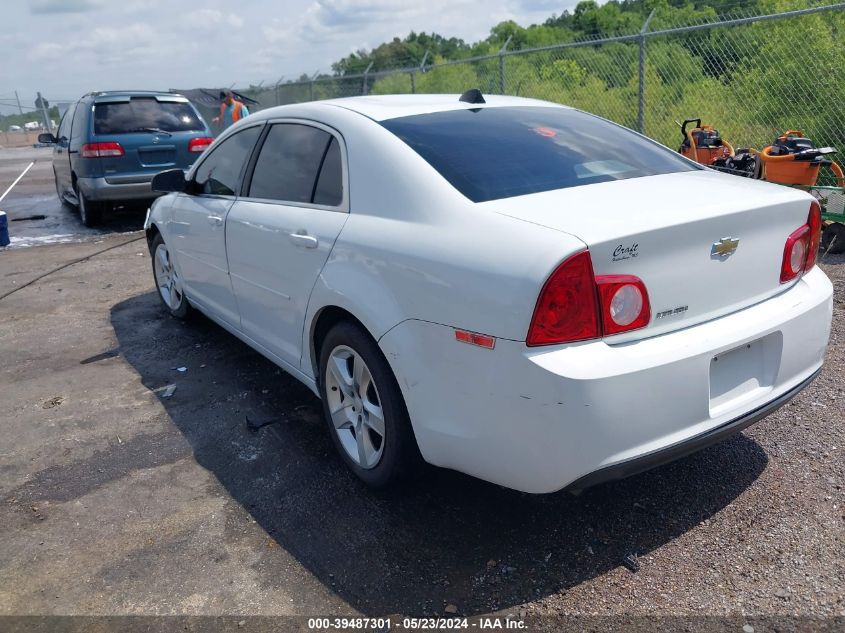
{"x": 145, "y": 114}
{"x": 490, "y": 153}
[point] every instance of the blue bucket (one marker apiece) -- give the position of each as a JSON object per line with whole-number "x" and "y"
{"x": 4, "y": 229}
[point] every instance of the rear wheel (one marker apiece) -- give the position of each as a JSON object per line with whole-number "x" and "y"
{"x": 364, "y": 408}
{"x": 168, "y": 281}
{"x": 90, "y": 211}
{"x": 833, "y": 239}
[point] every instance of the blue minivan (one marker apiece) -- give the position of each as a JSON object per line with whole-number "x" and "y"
{"x": 109, "y": 145}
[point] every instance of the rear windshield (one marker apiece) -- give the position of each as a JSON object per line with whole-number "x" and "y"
{"x": 145, "y": 114}
{"x": 493, "y": 153}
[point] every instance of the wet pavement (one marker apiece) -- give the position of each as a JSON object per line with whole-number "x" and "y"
{"x": 36, "y": 216}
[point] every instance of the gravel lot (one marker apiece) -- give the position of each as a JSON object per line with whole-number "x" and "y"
{"x": 114, "y": 500}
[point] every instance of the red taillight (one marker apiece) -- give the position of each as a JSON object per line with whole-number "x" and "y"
{"x": 101, "y": 150}
{"x": 624, "y": 303}
{"x": 199, "y": 144}
{"x": 567, "y": 309}
{"x": 814, "y": 221}
{"x": 799, "y": 254}
{"x": 574, "y": 305}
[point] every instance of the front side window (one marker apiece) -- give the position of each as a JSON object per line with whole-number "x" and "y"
{"x": 219, "y": 174}
{"x": 490, "y": 153}
{"x": 291, "y": 163}
{"x": 145, "y": 114}
{"x": 64, "y": 125}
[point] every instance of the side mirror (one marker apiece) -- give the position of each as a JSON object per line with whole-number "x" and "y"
{"x": 47, "y": 138}
{"x": 169, "y": 181}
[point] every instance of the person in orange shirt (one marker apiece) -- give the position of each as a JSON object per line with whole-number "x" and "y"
{"x": 231, "y": 110}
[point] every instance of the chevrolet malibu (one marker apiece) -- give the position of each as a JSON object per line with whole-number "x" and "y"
{"x": 506, "y": 287}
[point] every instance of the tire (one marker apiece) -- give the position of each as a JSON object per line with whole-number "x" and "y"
{"x": 167, "y": 280}
{"x": 90, "y": 212}
{"x": 62, "y": 200}
{"x": 833, "y": 239}
{"x": 380, "y": 451}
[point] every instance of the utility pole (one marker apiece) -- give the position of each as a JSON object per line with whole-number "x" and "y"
{"x": 18, "y": 99}
{"x": 45, "y": 118}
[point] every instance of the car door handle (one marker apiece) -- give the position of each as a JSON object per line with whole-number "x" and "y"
{"x": 304, "y": 240}
{"x": 215, "y": 220}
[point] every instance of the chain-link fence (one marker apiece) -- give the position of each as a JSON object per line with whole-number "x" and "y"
{"x": 752, "y": 77}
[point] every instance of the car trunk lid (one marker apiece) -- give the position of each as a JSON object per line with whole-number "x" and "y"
{"x": 705, "y": 244}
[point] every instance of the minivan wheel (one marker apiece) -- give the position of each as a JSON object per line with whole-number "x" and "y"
{"x": 364, "y": 408}
{"x": 90, "y": 212}
{"x": 168, "y": 281}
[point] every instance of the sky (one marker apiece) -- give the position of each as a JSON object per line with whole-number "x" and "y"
{"x": 65, "y": 48}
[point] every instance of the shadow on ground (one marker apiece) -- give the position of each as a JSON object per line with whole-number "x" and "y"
{"x": 446, "y": 539}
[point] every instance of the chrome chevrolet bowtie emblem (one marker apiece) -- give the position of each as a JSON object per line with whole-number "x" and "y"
{"x": 724, "y": 247}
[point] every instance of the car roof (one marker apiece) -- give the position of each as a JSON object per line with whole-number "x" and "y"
{"x": 96, "y": 94}
{"x": 384, "y": 107}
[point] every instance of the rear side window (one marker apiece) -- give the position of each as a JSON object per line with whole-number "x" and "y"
{"x": 220, "y": 172}
{"x": 145, "y": 114}
{"x": 493, "y": 153}
{"x": 289, "y": 163}
{"x": 329, "y": 188}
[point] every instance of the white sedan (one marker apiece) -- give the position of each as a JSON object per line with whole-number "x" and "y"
{"x": 506, "y": 287}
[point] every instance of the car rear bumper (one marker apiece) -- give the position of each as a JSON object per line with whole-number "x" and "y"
{"x": 676, "y": 451}
{"x": 542, "y": 419}
{"x": 118, "y": 188}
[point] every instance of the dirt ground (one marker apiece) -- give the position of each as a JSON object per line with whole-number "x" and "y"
{"x": 115, "y": 500}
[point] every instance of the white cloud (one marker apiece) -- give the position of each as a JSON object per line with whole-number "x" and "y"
{"x": 212, "y": 18}
{"x": 183, "y": 43}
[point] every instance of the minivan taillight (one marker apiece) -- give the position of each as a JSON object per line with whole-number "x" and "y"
{"x": 575, "y": 305}
{"x": 101, "y": 150}
{"x": 199, "y": 144}
{"x": 799, "y": 254}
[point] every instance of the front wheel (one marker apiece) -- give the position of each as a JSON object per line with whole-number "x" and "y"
{"x": 62, "y": 200}
{"x": 364, "y": 408}
{"x": 168, "y": 281}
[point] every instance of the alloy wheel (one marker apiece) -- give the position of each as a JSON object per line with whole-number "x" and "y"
{"x": 355, "y": 407}
{"x": 167, "y": 279}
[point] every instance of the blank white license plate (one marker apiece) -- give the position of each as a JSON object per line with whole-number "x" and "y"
{"x": 743, "y": 373}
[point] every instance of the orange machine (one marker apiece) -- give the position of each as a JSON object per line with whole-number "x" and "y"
{"x": 793, "y": 159}
{"x": 703, "y": 144}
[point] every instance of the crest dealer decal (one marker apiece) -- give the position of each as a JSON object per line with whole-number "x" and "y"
{"x": 621, "y": 252}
